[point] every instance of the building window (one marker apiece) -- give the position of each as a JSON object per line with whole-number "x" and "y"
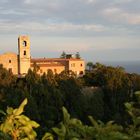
{"x": 81, "y": 72}
{"x": 41, "y": 71}
{"x": 24, "y": 52}
{"x": 73, "y": 65}
{"x": 55, "y": 71}
{"x": 81, "y": 65}
{"x": 24, "y": 43}
{"x": 9, "y": 61}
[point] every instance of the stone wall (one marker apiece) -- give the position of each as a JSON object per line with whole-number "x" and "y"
{"x": 10, "y": 62}
{"x": 77, "y": 66}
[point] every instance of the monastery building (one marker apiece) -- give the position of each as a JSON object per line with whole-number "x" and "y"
{"x": 20, "y": 63}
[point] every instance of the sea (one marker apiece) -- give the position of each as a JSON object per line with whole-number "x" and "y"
{"x": 129, "y": 66}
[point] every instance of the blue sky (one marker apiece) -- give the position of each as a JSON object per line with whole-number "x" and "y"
{"x": 101, "y": 30}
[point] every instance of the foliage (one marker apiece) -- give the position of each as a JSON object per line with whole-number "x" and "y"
{"x": 77, "y": 55}
{"x": 32, "y": 78}
{"x": 63, "y": 55}
{"x": 116, "y": 86}
{"x": 36, "y": 67}
{"x": 133, "y": 109}
{"x": 93, "y": 103}
{"x": 47, "y": 94}
{"x": 108, "y": 131}
{"x": 50, "y": 77}
{"x": 66, "y": 75}
{"x": 4, "y": 136}
{"x": 90, "y": 66}
{"x": 47, "y": 136}
{"x": 17, "y": 125}
{"x": 72, "y": 128}
{"x": 135, "y": 81}
{"x": 6, "y": 77}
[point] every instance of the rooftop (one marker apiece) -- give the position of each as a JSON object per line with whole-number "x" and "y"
{"x": 53, "y": 59}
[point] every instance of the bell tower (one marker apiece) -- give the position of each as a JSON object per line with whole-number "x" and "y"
{"x": 24, "y": 54}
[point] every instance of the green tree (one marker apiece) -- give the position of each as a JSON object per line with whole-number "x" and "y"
{"x": 90, "y": 66}
{"x": 71, "y": 128}
{"x": 17, "y": 125}
{"x": 6, "y": 77}
{"x": 133, "y": 109}
{"x": 74, "y": 129}
{"x": 51, "y": 78}
{"x": 35, "y": 67}
{"x": 93, "y": 103}
{"x": 107, "y": 131}
{"x": 135, "y": 81}
{"x": 66, "y": 75}
{"x": 63, "y": 55}
{"x": 116, "y": 86}
{"x": 32, "y": 78}
{"x": 77, "y": 55}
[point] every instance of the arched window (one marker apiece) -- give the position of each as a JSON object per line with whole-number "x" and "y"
{"x": 9, "y": 61}
{"x": 81, "y": 72}
{"x": 10, "y": 70}
{"x": 55, "y": 71}
{"x": 24, "y": 52}
{"x": 24, "y": 43}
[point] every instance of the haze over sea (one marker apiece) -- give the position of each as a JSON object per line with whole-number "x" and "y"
{"x": 129, "y": 66}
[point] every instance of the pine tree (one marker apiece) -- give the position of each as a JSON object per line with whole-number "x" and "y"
{"x": 77, "y": 55}
{"x": 63, "y": 55}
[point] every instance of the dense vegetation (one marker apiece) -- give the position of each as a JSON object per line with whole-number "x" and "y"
{"x": 102, "y": 93}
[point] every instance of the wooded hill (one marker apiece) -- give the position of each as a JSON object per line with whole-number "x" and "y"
{"x": 102, "y": 94}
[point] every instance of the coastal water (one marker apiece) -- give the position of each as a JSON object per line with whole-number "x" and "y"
{"x": 129, "y": 66}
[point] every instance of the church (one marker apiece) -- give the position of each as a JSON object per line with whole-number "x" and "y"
{"x": 20, "y": 63}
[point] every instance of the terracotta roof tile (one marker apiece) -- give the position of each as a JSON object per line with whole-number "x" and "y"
{"x": 49, "y": 65}
{"x": 53, "y": 59}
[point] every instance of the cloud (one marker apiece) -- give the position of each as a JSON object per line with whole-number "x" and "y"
{"x": 49, "y": 28}
{"x": 91, "y": 1}
{"x": 72, "y": 27}
{"x": 83, "y": 20}
{"x": 12, "y": 12}
{"x": 73, "y": 11}
{"x": 124, "y": 1}
{"x": 118, "y": 15}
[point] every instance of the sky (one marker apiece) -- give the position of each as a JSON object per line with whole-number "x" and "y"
{"x": 100, "y": 30}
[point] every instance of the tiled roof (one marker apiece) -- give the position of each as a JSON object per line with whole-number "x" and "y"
{"x": 53, "y": 59}
{"x": 49, "y": 65}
